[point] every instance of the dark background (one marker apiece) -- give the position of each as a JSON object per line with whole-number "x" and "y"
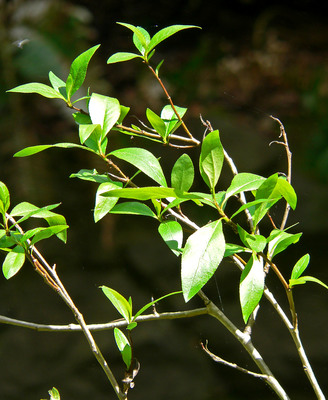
{"x": 250, "y": 60}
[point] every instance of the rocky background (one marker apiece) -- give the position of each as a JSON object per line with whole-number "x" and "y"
{"x": 250, "y": 60}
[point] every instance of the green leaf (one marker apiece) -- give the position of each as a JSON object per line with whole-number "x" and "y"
{"x": 78, "y": 71}
{"x": 304, "y": 279}
{"x": 38, "y": 88}
{"x": 104, "y": 111}
{"x": 172, "y": 234}
{"x": 268, "y": 191}
{"x": 90, "y": 175}
{"x": 105, "y": 204}
{"x": 243, "y": 182}
{"x": 256, "y": 243}
{"x": 144, "y": 308}
{"x": 119, "y": 302}
{"x": 150, "y": 192}
{"x": 300, "y": 266}
{"x": 54, "y": 394}
{"x": 133, "y": 208}
{"x": 139, "y": 33}
{"x": 250, "y": 206}
{"x": 278, "y": 241}
{"x": 13, "y": 262}
{"x": 58, "y": 84}
{"x": 86, "y": 130}
{"x": 156, "y": 122}
{"x": 122, "y": 56}
{"x": 4, "y": 198}
{"x": 287, "y": 192}
{"x": 143, "y": 160}
{"x": 45, "y": 233}
{"x": 211, "y": 159}
{"x": 165, "y": 33}
{"x": 141, "y": 45}
{"x": 170, "y": 119}
{"x": 201, "y": 256}
{"x": 182, "y": 176}
{"x": 27, "y": 210}
{"x": 28, "y": 151}
{"x": 124, "y": 347}
{"x": 251, "y": 286}
{"x": 231, "y": 249}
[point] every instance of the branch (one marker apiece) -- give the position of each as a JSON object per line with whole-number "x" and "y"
{"x": 105, "y": 326}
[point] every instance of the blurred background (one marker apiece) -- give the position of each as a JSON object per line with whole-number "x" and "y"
{"x": 252, "y": 59}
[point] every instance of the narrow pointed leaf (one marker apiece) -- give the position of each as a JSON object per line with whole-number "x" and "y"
{"x": 156, "y": 122}
{"x": 119, "y": 302}
{"x": 144, "y": 308}
{"x": 4, "y": 198}
{"x": 143, "y": 39}
{"x": 300, "y": 266}
{"x": 165, "y": 33}
{"x": 281, "y": 241}
{"x": 123, "y": 346}
{"x": 78, "y": 71}
{"x": 28, "y": 151}
{"x": 201, "y": 256}
{"x": 38, "y": 88}
{"x": 287, "y": 192}
{"x": 303, "y": 279}
{"x": 122, "y": 56}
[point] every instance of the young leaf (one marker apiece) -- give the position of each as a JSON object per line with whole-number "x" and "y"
{"x": 38, "y": 88}
{"x": 165, "y": 33}
{"x": 13, "y": 262}
{"x": 172, "y": 234}
{"x": 138, "y": 44}
{"x": 78, "y": 71}
{"x": 119, "y": 302}
{"x": 104, "y": 111}
{"x": 156, "y": 122}
{"x": 182, "y": 176}
{"x": 124, "y": 347}
{"x": 231, "y": 249}
{"x": 143, "y": 160}
{"x": 303, "y": 279}
{"x": 211, "y": 159}
{"x": 86, "y": 130}
{"x": 144, "y": 308}
{"x": 122, "y": 56}
{"x": 251, "y": 286}
{"x": 105, "y": 204}
{"x": 281, "y": 240}
{"x": 201, "y": 256}
{"x": 133, "y": 208}
{"x": 45, "y": 233}
{"x": 300, "y": 266}
{"x": 4, "y": 198}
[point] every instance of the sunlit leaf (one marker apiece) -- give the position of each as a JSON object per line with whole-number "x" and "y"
{"x": 133, "y": 208}
{"x": 104, "y": 111}
{"x": 13, "y": 262}
{"x": 104, "y": 204}
{"x": 182, "y": 176}
{"x": 122, "y": 56}
{"x": 201, "y": 256}
{"x": 300, "y": 266}
{"x": 119, "y": 302}
{"x": 172, "y": 234}
{"x": 251, "y": 286}
{"x": 38, "y": 88}
{"x": 124, "y": 347}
